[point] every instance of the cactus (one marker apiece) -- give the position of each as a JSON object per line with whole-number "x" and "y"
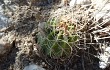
{"x": 55, "y": 43}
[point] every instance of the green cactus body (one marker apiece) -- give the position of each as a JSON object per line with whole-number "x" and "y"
{"x": 56, "y": 44}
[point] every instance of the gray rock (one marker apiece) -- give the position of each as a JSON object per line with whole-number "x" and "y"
{"x": 33, "y": 67}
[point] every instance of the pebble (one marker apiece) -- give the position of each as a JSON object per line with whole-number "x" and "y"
{"x": 33, "y": 67}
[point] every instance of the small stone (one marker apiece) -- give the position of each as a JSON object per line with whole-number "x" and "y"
{"x": 43, "y": 63}
{"x": 107, "y": 50}
{"x": 102, "y": 65}
{"x": 33, "y": 67}
{"x": 30, "y": 44}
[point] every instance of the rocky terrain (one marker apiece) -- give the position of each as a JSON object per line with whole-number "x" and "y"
{"x": 23, "y": 23}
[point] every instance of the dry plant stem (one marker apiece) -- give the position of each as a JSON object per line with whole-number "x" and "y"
{"x": 104, "y": 38}
{"x": 104, "y": 22}
{"x": 99, "y": 25}
{"x": 83, "y": 62}
{"x": 98, "y": 12}
{"x": 102, "y": 30}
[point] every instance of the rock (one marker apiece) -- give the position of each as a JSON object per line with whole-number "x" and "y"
{"x": 33, "y": 67}
{"x": 79, "y": 2}
{"x": 104, "y": 58}
{"x": 1, "y": 34}
{"x": 3, "y": 21}
{"x": 104, "y": 13}
{"x": 4, "y": 47}
{"x": 6, "y": 42}
{"x": 103, "y": 61}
